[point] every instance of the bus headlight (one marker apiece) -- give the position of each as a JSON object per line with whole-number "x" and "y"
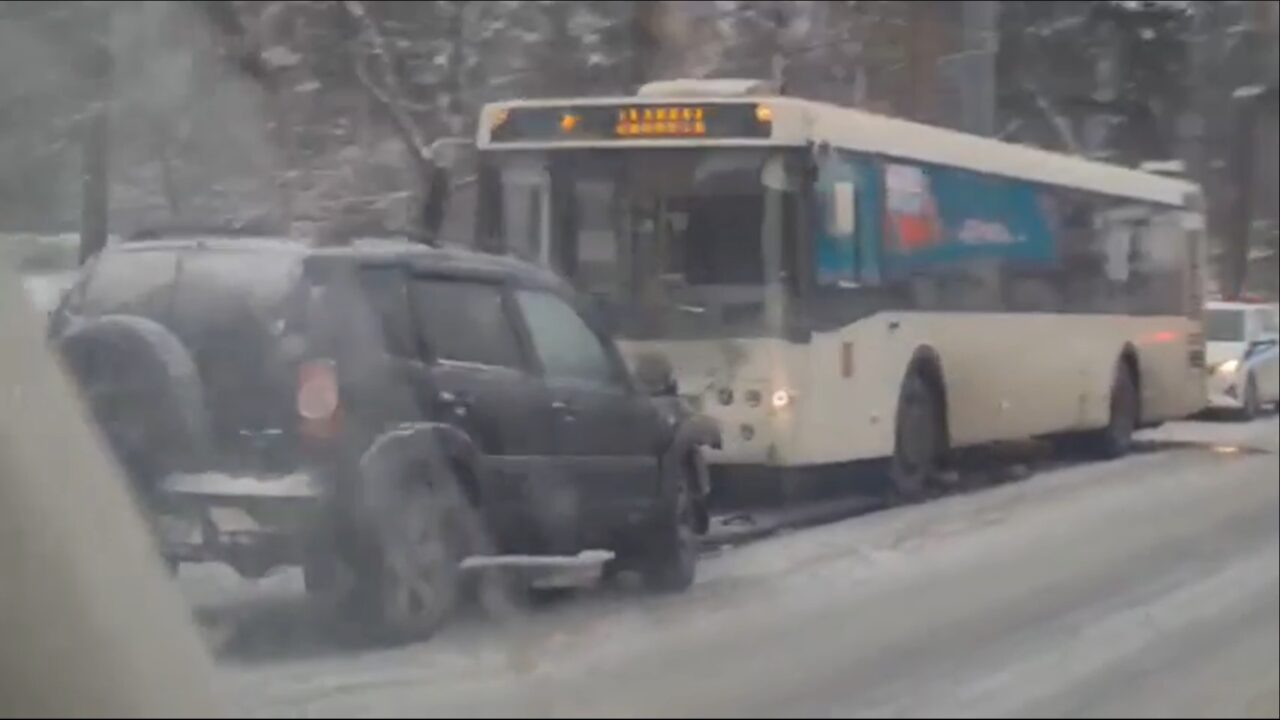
{"x": 1228, "y": 367}
{"x": 781, "y": 399}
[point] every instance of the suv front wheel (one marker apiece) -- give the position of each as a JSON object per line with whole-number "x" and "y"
{"x": 671, "y": 558}
{"x": 1250, "y": 404}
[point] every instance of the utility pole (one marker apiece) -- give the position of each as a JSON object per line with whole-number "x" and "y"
{"x": 96, "y": 132}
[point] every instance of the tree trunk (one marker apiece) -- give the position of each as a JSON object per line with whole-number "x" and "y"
{"x": 1235, "y": 257}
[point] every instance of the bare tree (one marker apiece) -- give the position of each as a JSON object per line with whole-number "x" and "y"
{"x": 243, "y": 50}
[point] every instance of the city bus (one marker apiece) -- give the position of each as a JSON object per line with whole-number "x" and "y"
{"x": 834, "y": 285}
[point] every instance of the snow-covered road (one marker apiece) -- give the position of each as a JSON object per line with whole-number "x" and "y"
{"x": 1143, "y": 586}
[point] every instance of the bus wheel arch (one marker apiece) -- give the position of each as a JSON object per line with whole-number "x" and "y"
{"x": 1129, "y": 361}
{"x": 1124, "y": 407}
{"x": 922, "y": 405}
{"x": 928, "y": 363}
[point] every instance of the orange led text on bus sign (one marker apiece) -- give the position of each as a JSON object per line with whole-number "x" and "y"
{"x": 661, "y": 121}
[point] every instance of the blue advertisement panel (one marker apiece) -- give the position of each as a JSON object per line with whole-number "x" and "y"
{"x": 937, "y": 216}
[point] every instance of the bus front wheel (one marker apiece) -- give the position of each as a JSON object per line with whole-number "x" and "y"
{"x": 919, "y": 438}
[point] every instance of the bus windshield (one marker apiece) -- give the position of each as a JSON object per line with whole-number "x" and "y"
{"x": 674, "y": 243}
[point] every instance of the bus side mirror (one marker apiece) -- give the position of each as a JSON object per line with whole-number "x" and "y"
{"x": 775, "y": 175}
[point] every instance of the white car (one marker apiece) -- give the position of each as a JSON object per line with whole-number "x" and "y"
{"x": 1242, "y": 356}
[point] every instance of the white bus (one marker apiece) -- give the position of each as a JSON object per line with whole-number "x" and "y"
{"x": 833, "y": 285}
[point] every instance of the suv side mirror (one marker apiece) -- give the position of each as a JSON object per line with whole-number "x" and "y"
{"x": 655, "y": 374}
{"x": 600, "y": 310}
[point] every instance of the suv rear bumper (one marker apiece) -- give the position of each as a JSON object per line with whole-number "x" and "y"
{"x": 220, "y": 485}
{"x": 251, "y": 523}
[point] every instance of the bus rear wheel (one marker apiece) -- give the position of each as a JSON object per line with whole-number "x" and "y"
{"x": 919, "y": 438}
{"x": 1116, "y": 439}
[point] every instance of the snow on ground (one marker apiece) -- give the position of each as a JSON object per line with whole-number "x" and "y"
{"x": 1140, "y": 586}
{"x": 46, "y": 289}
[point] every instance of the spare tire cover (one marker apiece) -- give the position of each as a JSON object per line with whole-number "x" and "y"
{"x": 142, "y": 387}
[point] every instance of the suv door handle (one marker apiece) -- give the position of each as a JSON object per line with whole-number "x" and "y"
{"x": 563, "y": 408}
{"x": 461, "y": 403}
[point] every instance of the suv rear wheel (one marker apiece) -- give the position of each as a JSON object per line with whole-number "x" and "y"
{"x": 411, "y": 585}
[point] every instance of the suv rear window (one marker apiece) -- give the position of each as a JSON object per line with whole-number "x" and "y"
{"x": 265, "y": 281}
{"x": 384, "y": 289}
{"x": 128, "y": 282}
{"x": 156, "y": 283}
{"x": 465, "y": 321}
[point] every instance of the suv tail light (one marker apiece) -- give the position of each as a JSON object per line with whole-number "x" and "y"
{"x": 319, "y": 404}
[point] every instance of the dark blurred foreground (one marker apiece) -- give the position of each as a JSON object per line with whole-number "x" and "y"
{"x": 91, "y": 624}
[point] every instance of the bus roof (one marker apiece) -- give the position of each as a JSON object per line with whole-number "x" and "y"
{"x": 798, "y": 122}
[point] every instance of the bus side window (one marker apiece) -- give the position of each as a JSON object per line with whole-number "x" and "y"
{"x": 842, "y": 257}
{"x": 1083, "y": 255}
{"x": 835, "y": 255}
{"x": 1162, "y": 260}
{"x": 1148, "y": 257}
{"x": 1196, "y": 253}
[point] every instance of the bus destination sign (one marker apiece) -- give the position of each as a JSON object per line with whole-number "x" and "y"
{"x": 588, "y": 123}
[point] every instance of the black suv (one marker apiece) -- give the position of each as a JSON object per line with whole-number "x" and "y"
{"x": 386, "y": 414}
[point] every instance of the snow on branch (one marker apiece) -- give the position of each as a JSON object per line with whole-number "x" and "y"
{"x": 1059, "y": 122}
{"x": 388, "y": 91}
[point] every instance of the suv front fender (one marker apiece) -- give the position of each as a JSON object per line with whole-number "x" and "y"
{"x": 691, "y": 430}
